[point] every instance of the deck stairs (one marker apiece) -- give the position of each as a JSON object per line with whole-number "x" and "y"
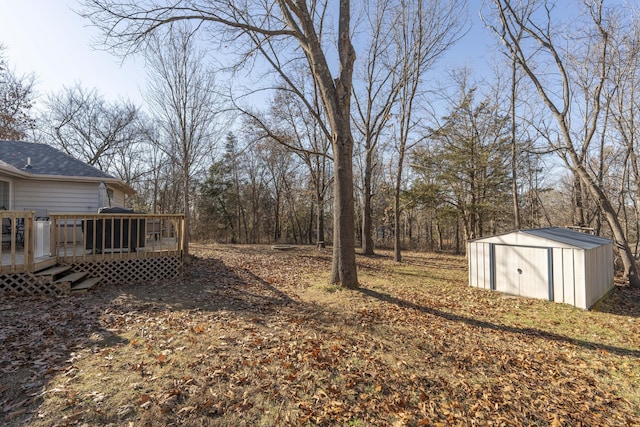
{"x": 69, "y": 281}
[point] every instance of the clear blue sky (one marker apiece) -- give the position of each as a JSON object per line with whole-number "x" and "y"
{"x": 46, "y": 38}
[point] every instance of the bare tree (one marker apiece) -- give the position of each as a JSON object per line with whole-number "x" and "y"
{"x": 309, "y": 141}
{"x": 281, "y": 33}
{"x": 428, "y": 30}
{"x": 85, "y": 126}
{"x": 288, "y": 122}
{"x": 375, "y": 100}
{"x": 405, "y": 39}
{"x": 540, "y": 46}
{"x": 182, "y": 98}
{"x": 16, "y": 100}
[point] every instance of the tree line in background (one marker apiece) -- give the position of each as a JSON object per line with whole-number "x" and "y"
{"x": 546, "y": 137}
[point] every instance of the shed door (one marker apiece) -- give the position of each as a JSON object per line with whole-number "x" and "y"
{"x": 522, "y": 271}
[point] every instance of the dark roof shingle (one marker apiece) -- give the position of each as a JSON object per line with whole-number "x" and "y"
{"x": 45, "y": 160}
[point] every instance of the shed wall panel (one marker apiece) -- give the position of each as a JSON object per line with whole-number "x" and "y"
{"x": 568, "y": 277}
{"x": 599, "y": 273}
{"x": 592, "y": 279}
{"x": 479, "y": 265}
{"x": 522, "y": 271}
{"x": 472, "y": 261}
{"x": 484, "y": 267}
{"x": 558, "y": 275}
{"x": 580, "y": 279}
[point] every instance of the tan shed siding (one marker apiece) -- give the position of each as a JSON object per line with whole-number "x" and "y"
{"x": 474, "y": 261}
{"x": 484, "y": 269}
{"x": 580, "y": 277}
{"x": 558, "y": 276}
{"x": 568, "y": 277}
{"x": 479, "y": 265}
{"x": 599, "y": 267}
{"x": 56, "y": 196}
{"x": 591, "y": 276}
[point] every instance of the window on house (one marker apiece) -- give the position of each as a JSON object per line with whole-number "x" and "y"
{"x": 5, "y": 198}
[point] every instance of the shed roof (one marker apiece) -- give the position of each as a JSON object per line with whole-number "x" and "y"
{"x": 560, "y": 235}
{"x": 45, "y": 160}
{"x": 569, "y": 237}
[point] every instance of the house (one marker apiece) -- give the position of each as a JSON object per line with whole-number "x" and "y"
{"x": 552, "y": 263}
{"x": 41, "y": 178}
{"x": 55, "y": 240}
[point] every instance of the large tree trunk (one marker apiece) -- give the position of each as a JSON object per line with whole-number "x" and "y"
{"x": 336, "y": 95}
{"x": 344, "y": 239}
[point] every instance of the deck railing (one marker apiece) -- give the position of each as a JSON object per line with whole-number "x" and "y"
{"x": 17, "y": 249}
{"x": 82, "y": 237}
{"x": 28, "y": 241}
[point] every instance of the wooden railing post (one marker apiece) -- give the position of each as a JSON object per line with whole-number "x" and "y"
{"x": 28, "y": 240}
{"x": 53, "y": 236}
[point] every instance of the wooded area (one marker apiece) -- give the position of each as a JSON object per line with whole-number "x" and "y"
{"x": 356, "y": 143}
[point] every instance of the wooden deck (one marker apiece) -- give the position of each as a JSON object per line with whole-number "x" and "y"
{"x": 80, "y": 238}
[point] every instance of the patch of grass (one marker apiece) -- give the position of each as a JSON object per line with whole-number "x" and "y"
{"x": 332, "y": 288}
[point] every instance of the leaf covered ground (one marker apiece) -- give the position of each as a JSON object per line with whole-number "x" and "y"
{"x": 253, "y": 336}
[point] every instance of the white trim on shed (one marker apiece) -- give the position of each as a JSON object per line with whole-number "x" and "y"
{"x": 553, "y": 263}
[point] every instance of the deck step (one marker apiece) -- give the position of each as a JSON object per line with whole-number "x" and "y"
{"x": 85, "y": 284}
{"x": 54, "y": 271}
{"x": 71, "y": 278}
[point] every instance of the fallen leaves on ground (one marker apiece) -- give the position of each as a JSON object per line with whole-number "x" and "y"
{"x": 251, "y": 337}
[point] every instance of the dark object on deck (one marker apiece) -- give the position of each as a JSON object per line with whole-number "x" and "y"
{"x": 119, "y": 233}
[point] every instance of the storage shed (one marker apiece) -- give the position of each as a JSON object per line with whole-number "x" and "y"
{"x": 553, "y": 263}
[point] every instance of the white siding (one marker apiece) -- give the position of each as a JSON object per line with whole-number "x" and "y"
{"x": 580, "y": 278}
{"x": 569, "y": 276}
{"x": 599, "y": 273}
{"x": 558, "y": 291}
{"x": 564, "y": 275}
{"x": 118, "y": 199}
{"x": 54, "y": 196}
{"x": 479, "y": 265}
